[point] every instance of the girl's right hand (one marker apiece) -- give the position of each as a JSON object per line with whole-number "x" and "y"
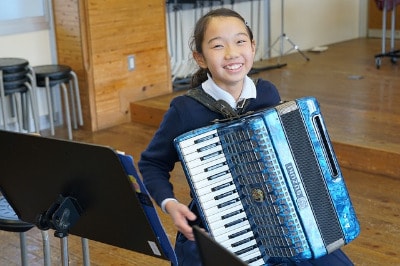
{"x": 180, "y": 214}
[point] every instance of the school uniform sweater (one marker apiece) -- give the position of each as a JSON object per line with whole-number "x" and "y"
{"x": 185, "y": 114}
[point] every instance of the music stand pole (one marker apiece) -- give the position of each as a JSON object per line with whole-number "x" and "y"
{"x": 284, "y": 37}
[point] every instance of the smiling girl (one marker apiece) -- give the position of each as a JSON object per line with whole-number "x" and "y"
{"x": 224, "y": 49}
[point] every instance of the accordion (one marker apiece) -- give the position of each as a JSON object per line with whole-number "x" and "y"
{"x": 268, "y": 185}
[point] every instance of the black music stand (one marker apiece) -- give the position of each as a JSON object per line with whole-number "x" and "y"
{"x": 212, "y": 253}
{"x": 75, "y": 188}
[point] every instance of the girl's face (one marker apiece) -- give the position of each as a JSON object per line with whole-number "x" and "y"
{"x": 228, "y": 52}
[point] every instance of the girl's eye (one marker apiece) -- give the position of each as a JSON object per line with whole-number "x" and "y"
{"x": 216, "y": 46}
{"x": 241, "y": 41}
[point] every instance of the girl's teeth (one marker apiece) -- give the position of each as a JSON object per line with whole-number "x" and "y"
{"x": 233, "y": 67}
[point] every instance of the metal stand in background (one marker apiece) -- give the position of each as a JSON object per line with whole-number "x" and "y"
{"x": 392, "y": 54}
{"x": 281, "y": 41}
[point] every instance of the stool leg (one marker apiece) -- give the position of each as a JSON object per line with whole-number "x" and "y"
{"x": 33, "y": 87}
{"x": 46, "y": 248}
{"x": 78, "y": 98}
{"x": 16, "y": 99}
{"x": 64, "y": 251}
{"x": 85, "y": 251}
{"x": 22, "y": 241}
{"x": 3, "y": 100}
{"x": 67, "y": 114}
{"x": 50, "y": 105}
{"x": 73, "y": 107}
{"x": 34, "y": 105}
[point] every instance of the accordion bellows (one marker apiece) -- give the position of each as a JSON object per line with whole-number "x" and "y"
{"x": 269, "y": 184}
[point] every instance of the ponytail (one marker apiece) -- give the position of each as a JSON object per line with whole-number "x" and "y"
{"x": 199, "y": 77}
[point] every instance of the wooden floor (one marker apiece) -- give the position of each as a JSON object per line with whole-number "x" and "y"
{"x": 361, "y": 108}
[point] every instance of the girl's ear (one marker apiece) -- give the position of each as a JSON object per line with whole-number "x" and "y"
{"x": 199, "y": 58}
{"x": 253, "y": 47}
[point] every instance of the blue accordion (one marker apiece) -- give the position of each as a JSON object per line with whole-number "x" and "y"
{"x": 269, "y": 185}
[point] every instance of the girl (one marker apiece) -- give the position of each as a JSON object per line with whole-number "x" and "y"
{"x": 224, "y": 48}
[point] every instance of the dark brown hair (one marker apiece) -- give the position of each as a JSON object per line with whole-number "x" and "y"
{"x": 198, "y": 36}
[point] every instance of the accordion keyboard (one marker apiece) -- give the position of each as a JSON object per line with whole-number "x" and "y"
{"x": 236, "y": 175}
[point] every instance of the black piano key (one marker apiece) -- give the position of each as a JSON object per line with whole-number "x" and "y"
{"x": 221, "y": 186}
{"x": 231, "y": 214}
{"x": 240, "y": 252}
{"x": 226, "y": 194}
{"x": 241, "y": 242}
{"x": 210, "y": 155}
{"x": 234, "y": 222}
{"x": 227, "y": 203}
{"x": 253, "y": 260}
{"x": 217, "y": 175}
{"x": 215, "y": 135}
{"x": 214, "y": 167}
{"x": 239, "y": 233}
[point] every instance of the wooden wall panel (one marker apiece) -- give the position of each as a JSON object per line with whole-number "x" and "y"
{"x": 375, "y": 17}
{"x": 102, "y": 34}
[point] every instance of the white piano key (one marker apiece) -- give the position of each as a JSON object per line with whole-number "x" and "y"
{"x": 244, "y": 246}
{"x": 219, "y": 215}
{"x": 215, "y": 209}
{"x": 198, "y": 156}
{"x": 211, "y": 203}
{"x": 210, "y": 181}
{"x": 237, "y": 239}
{"x": 225, "y": 236}
{"x": 225, "y": 222}
{"x": 207, "y": 166}
{"x": 252, "y": 255}
{"x": 201, "y": 166}
{"x": 222, "y": 230}
{"x": 196, "y": 147}
{"x": 194, "y": 139}
{"x": 205, "y": 175}
{"x": 209, "y": 194}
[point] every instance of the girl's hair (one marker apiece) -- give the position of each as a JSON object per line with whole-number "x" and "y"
{"x": 198, "y": 36}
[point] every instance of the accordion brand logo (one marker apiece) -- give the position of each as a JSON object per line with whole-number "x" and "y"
{"x": 258, "y": 195}
{"x": 296, "y": 184}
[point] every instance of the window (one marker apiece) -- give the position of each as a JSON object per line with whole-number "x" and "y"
{"x": 18, "y": 16}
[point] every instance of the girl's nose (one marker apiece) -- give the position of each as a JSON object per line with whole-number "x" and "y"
{"x": 231, "y": 52}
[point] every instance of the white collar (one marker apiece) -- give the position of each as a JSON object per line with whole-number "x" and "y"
{"x": 248, "y": 91}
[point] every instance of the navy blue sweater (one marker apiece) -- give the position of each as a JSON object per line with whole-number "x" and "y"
{"x": 185, "y": 114}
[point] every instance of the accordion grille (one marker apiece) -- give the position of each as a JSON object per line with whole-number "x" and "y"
{"x": 312, "y": 177}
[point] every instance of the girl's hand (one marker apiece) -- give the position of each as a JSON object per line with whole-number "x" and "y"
{"x": 180, "y": 214}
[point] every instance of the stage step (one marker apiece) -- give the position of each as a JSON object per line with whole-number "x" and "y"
{"x": 151, "y": 111}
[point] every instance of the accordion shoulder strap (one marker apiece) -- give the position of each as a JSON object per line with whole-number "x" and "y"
{"x": 219, "y": 106}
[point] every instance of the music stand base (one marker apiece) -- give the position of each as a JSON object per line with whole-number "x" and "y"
{"x": 256, "y": 69}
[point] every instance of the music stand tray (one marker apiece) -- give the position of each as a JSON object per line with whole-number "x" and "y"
{"x": 82, "y": 189}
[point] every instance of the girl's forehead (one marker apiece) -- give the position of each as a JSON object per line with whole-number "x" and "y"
{"x": 224, "y": 24}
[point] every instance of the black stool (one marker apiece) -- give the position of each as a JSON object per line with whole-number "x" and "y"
{"x": 17, "y": 82}
{"x": 48, "y": 76}
{"x": 10, "y": 222}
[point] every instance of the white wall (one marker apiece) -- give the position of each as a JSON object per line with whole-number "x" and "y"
{"x": 32, "y": 46}
{"x": 307, "y": 23}
{"x": 313, "y": 23}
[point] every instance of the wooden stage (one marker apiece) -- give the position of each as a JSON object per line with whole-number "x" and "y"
{"x": 360, "y": 104}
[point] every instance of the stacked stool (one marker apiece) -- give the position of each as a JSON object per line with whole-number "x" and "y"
{"x": 9, "y": 221}
{"x": 18, "y": 83}
{"x": 51, "y": 76}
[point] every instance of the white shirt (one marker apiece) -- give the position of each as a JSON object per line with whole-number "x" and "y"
{"x": 248, "y": 91}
